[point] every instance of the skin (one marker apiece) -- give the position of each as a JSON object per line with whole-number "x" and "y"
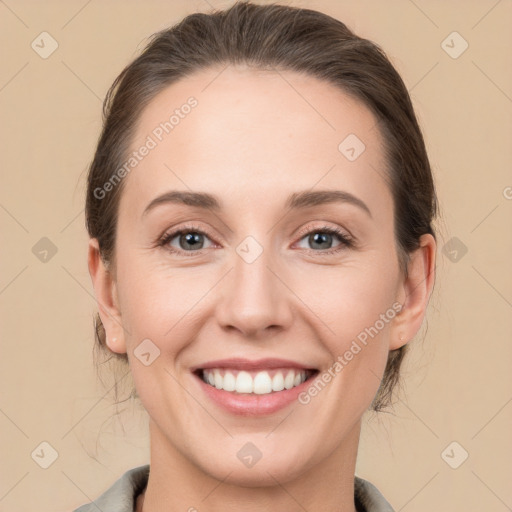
{"x": 255, "y": 138}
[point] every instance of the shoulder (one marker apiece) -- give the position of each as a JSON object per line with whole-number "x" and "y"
{"x": 121, "y": 496}
{"x": 368, "y": 498}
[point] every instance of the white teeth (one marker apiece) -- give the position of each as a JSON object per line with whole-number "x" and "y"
{"x": 218, "y": 379}
{"x": 229, "y": 383}
{"x": 289, "y": 380}
{"x": 262, "y": 383}
{"x": 278, "y": 382}
{"x": 243, "y": 383}
{"x": 259, "y": 383}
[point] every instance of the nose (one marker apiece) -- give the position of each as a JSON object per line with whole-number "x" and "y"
{"x": 255, "y": 300}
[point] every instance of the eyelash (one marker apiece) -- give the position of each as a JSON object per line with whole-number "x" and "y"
{"x": 346, "y": 241}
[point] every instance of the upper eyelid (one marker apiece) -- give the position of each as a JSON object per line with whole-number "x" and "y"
{"x": 174, "y": 232}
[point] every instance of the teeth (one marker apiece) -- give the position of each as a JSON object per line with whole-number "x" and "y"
{"x": 243, "y": 383}
{"x": 289, "y": 380}
{"x": 229, "y": 382}
{"x": 278, "y": 382}
{"x": 259, "y": 383}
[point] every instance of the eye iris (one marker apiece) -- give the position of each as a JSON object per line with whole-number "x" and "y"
{"x": 319, "y": 238}
{"x": 191, "y": 238}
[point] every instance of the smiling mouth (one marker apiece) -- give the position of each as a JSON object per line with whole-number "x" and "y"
{"x": 260, "y": 382}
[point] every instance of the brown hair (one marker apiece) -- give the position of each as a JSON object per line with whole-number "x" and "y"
{"x": 270, "y": 37}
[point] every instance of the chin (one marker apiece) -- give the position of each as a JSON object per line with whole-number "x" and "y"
{"x": 248, "y": 466}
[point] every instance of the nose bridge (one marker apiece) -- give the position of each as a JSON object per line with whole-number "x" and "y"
{"x": 254, "y": 298}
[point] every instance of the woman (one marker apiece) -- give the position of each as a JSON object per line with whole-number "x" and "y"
{"x": 260, "y": 209}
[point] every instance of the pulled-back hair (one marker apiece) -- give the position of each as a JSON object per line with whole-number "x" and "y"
{"x": 270, "y": 37}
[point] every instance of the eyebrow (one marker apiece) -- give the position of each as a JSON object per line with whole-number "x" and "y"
{"x": 297, "y": 200}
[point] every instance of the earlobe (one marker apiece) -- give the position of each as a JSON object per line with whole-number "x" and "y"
{"x": 106, "y": 296}
{"x": 414, "y": 292}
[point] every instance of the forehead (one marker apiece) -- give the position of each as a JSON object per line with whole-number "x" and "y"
{"x": 239, "y": 133}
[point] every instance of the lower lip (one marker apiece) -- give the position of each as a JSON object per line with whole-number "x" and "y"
{"x": 250, "y": 404}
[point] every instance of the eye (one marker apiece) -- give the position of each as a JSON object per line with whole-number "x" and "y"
{"x": 322, "y": 239}
{"x": 188, "y": 240}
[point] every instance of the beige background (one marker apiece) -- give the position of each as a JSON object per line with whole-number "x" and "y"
{"x": 458, "y": 383}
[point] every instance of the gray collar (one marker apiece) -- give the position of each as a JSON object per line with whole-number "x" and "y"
{"x": 122, "y": 495}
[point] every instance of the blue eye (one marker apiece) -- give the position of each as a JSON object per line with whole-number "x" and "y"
{"x": 191, "y": 240}
{"x": 324, "y": 235}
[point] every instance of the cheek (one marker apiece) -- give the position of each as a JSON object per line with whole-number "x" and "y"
{"x": 349, "y": 298}
{"x": 355, "y": 311}
{"x": 162, "y": 303}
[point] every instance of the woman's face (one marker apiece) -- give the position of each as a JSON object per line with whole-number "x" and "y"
{"x": 257, "y": 276}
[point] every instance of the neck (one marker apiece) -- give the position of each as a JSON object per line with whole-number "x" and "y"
{"x": 176, "y": 484}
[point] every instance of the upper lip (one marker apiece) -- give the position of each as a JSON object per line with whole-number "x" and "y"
{"x": 240, "y": 363}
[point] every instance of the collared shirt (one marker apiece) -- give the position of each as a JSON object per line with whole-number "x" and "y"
{"x": 122, "y": 495}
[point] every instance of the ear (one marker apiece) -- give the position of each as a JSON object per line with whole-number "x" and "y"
{"x": 414, "y": 292}
{"x": 106, "y": 295}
